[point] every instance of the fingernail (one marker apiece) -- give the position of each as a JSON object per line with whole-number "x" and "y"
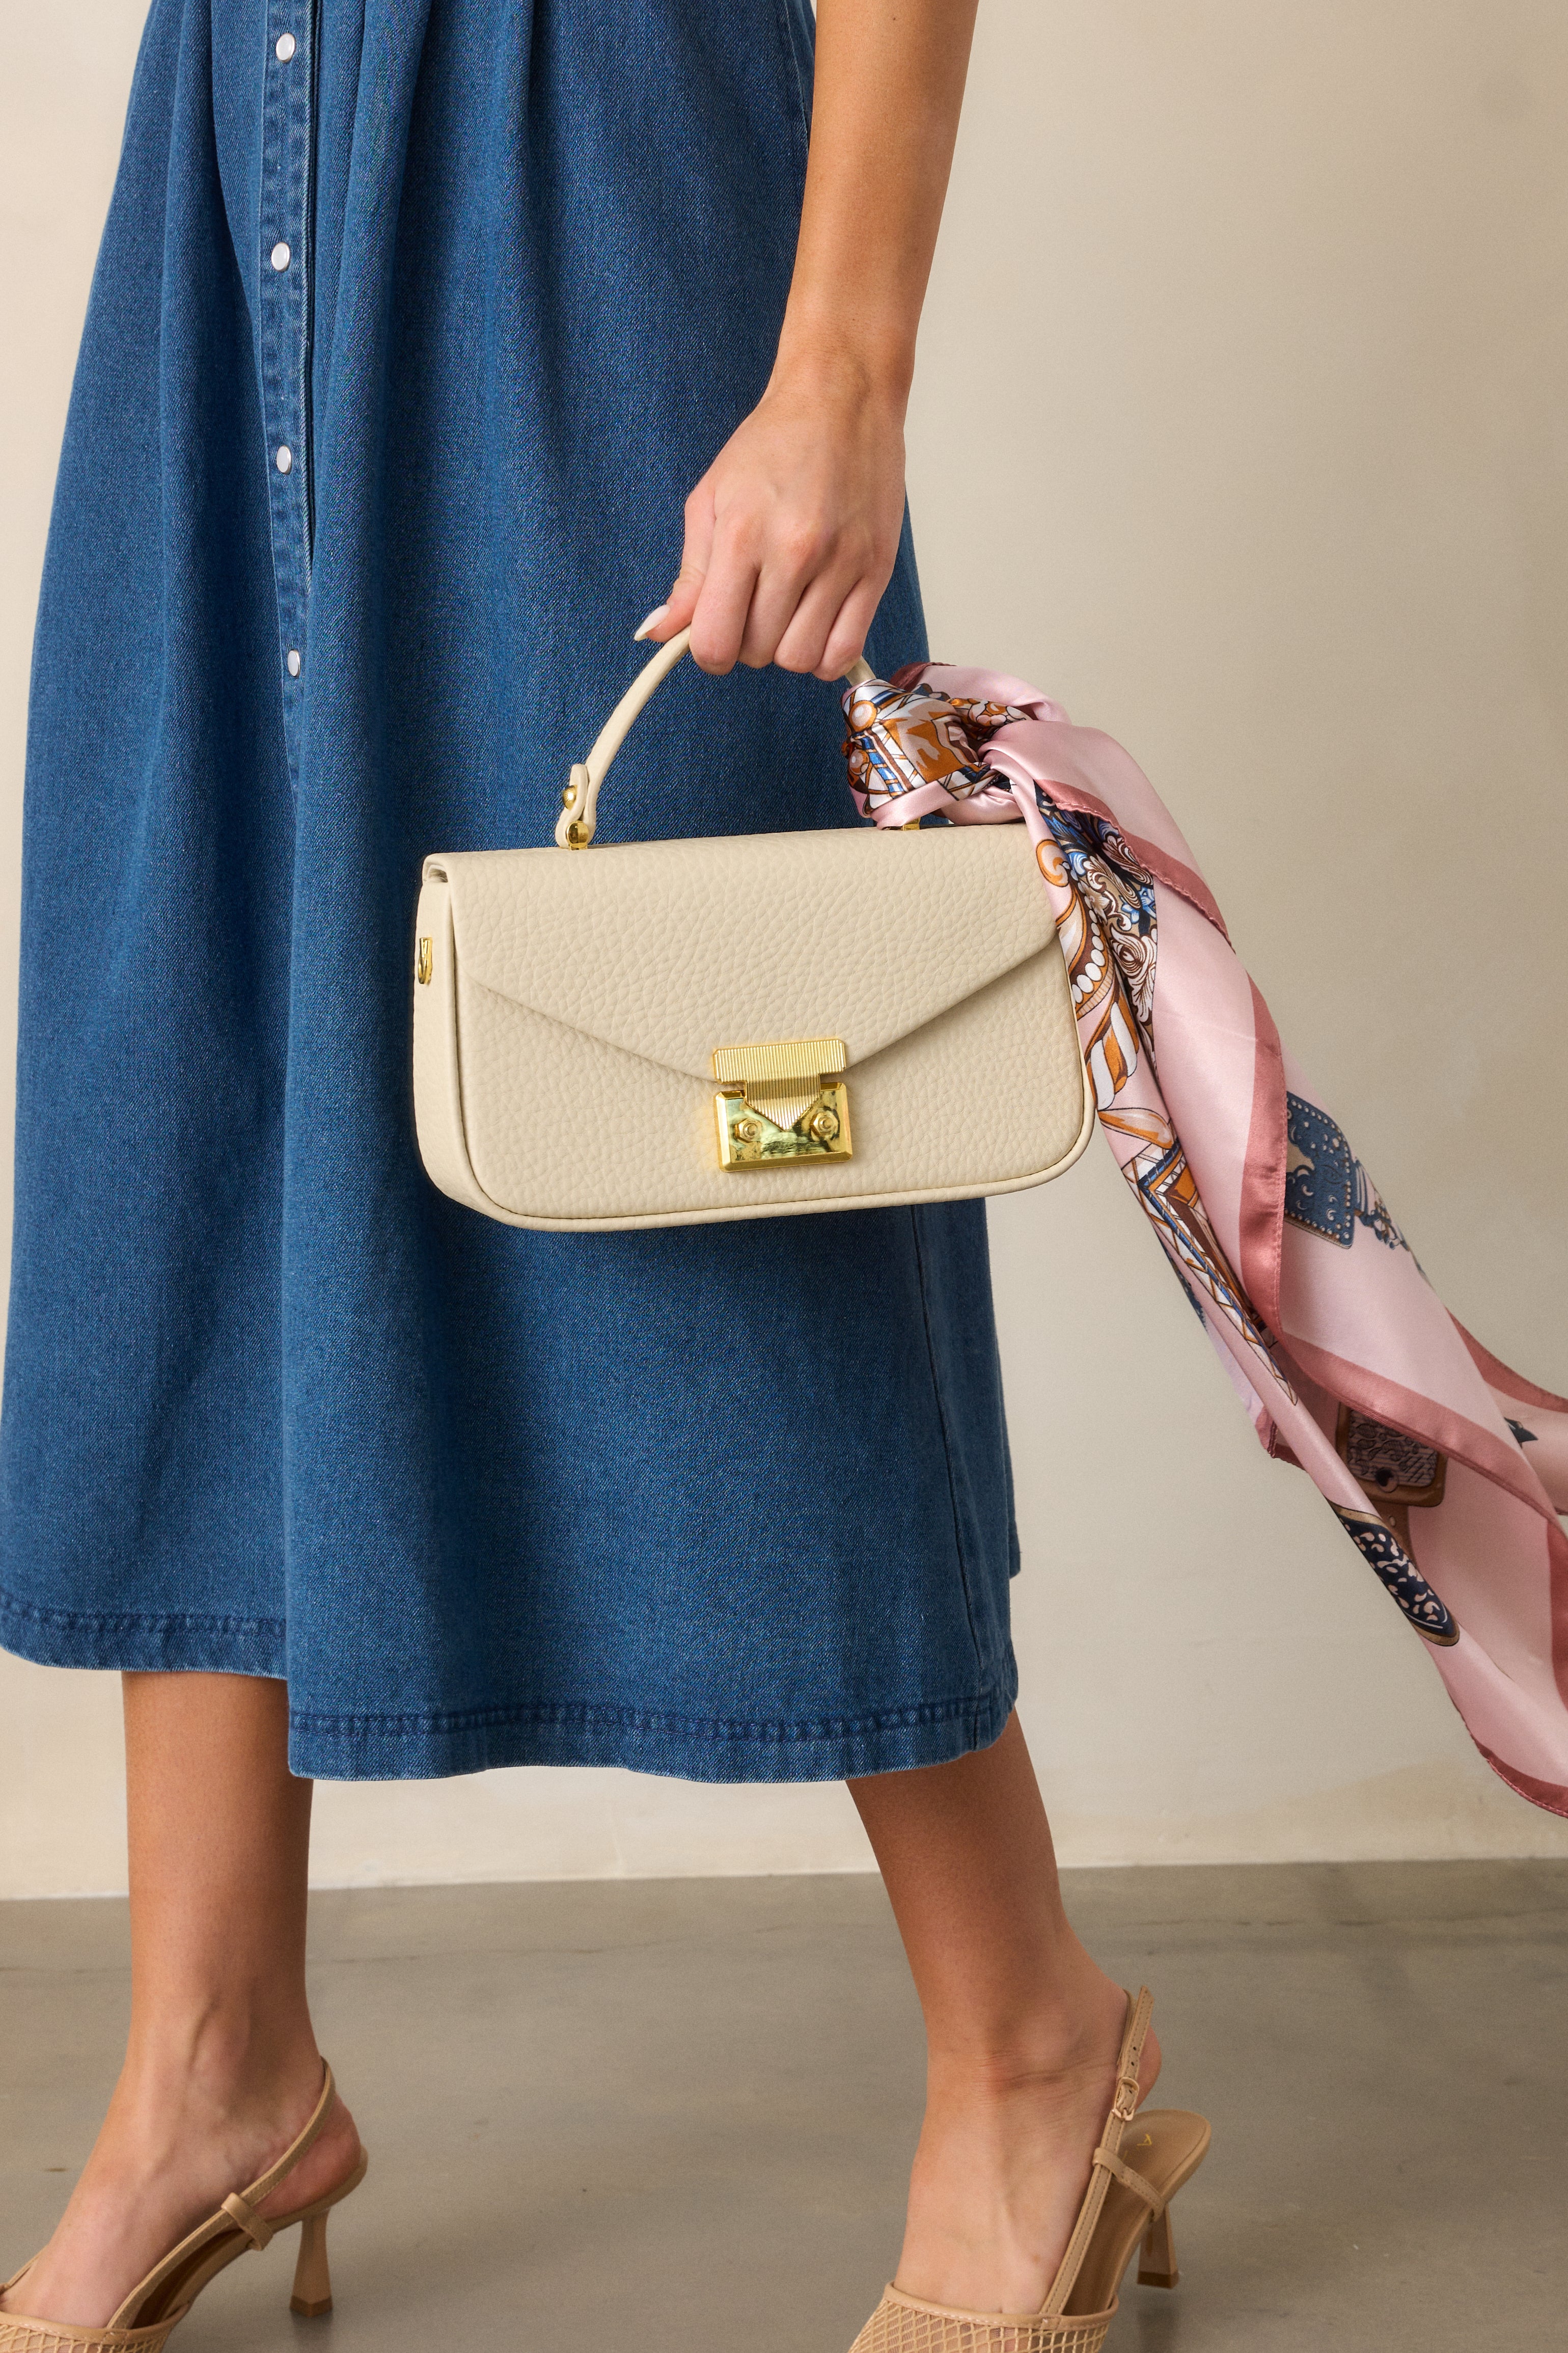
{"x": 652, "y": 622}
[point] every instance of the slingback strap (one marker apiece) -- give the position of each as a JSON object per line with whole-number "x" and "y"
{"x": 1131, "y": 2180}
{"x": 1106, "y": 2166}
{"x": 255, "y": 2228}
{"x": 262, "y": 2189}
{"x": 238, "y": 2211}
{"x": 578, "y": 821}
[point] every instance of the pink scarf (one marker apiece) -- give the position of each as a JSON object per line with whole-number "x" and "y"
{"x": 1446, "y": 1470}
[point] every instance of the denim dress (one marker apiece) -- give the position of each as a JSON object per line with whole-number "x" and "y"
{"x": 414, "y": 322}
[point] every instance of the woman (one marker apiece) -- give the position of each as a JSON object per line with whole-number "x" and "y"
{"x": 414, "y": 321}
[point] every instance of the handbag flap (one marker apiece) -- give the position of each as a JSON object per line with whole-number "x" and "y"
{"x": 668, "y": 949}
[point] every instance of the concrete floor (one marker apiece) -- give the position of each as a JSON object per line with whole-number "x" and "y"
{"x": 678, "y": 2115}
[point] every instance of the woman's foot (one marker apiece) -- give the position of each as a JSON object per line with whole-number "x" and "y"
{"x": 170, "y": 2152}
{"x": 1004, "y": 2156}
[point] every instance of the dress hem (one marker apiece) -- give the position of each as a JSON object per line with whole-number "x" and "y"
{"x": 142, "y": 1641}
{"x": 437, "y": 1746}
{"x": 640, "y": 1740}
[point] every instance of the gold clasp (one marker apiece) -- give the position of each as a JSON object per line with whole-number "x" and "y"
{"x": 782, "y": 1101}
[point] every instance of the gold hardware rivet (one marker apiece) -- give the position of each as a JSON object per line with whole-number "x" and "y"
{"x": 822, "y": 1125}
{"x": 426, "y": 963}
{"x": 747, "y": 1131}
{"x": 568, "y": 795}
{"x": 578, "y": 836}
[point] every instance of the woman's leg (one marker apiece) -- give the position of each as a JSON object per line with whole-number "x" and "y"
{"x": 221, "y": 2069}
{"x": 1022, "y": 2028}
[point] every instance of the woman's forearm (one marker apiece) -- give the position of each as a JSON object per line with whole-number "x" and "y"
{"x": 890, "y": 85}
{"x": 793, "y": 531}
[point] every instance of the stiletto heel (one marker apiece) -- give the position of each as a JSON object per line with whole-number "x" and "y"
{"x": 154, "y": 2309}
{"x": 1123, "y": 2203}
{"x": 313, "y": 2281}
{"x": 1157, "y": 2265}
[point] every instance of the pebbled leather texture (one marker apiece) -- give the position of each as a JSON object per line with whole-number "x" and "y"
{"x": 562, "y": 1071}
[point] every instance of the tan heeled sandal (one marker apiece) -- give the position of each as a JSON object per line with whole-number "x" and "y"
{"x": 1122, "y": 2204}
{"x": 158, "y": 2304}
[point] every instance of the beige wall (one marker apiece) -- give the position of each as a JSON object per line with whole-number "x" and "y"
{"x": 1241, "y": 428}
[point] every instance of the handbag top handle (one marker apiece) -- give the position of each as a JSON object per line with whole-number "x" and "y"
{"x": 578, "y": 820}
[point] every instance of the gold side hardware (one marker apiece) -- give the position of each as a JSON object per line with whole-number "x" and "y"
{"x": 426, "y": 963}
{"x": 782, "y": 1101}
{"x": 576, "y": 832}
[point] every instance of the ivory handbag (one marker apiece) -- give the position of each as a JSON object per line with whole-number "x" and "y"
{"x": 669, "y": 1033}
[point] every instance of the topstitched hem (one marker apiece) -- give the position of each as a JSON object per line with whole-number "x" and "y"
{"x": 136, "y": 1641}
{"x": 638, "y": 1740}
{"x": 438, "y": 1745}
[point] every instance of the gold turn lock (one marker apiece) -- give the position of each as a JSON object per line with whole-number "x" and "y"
{"x": 782, "y": 1101}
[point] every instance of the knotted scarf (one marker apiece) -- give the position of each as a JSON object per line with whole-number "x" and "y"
{"x": 1445, "y": 1469}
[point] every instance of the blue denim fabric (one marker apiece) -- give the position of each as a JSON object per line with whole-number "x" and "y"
{"x": 731, "y": 1503}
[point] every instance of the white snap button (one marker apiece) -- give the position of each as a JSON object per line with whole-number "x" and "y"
{"x": 285, "y": 459}
{"x": 294, "y": 663}
{"x": 280, "y": 256}
{"x": 286, "y": 47}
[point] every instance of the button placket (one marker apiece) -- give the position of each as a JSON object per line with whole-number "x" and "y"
{"x": 283, "y": 263}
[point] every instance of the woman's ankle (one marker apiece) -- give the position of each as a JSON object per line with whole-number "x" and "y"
{"x": 1072, "y": 2029}
{"x": 216, "y": 2074}
{"x": 224, "y": 2051}
{"x": 194, "y": 2117}
{"x": 1011, "y": 2123}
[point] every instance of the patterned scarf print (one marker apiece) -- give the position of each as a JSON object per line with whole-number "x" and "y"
{"x": 1446, "y": 1470}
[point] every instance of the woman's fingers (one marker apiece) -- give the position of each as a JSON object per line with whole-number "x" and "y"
{"x": 770, "y": 607}
{"x": 676, "y": 610}
{"x": 785, "y": 604}
{"x": 719, "y": 616}
{"x": 803, "y": 645}
{"x": 680, "y": 604}
{"x": 777, "y": 585}
{"x": 793, "y": 559}
{"x": 791, "y": 535}
{"x": 845, "y": 640}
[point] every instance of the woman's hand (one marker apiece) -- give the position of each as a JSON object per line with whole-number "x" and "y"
{"x": 792, "y": 532}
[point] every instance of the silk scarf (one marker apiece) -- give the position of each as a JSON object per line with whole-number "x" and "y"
{"x": 1446, "y": 1470}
